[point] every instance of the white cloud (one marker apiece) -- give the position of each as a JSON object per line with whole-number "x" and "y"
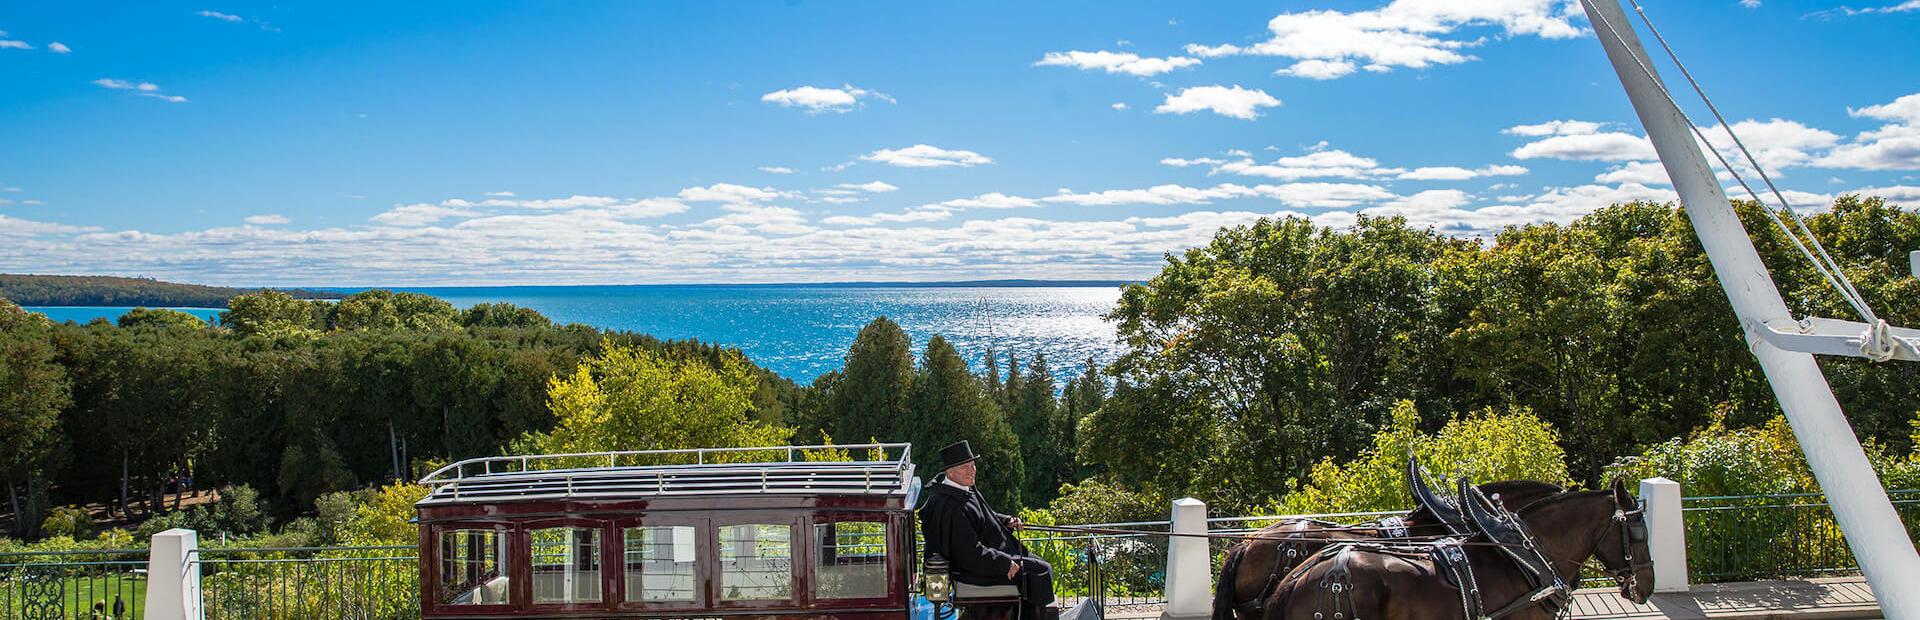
{"x": 874, "y": 187}
{"x": 16, "y": 227}
{"x": 1903, "y": 7}
{"x": 1893, "y": 146}
{"x": 1316, "y": 69}
{"x": 926, "y": 156}
{"x": 59, "y": 48}
{"x": 222, "y": 16}
{"x": 993, "y": 200}
{"x": 768, "y": 220}
{"x": 1642, "y": 172}
{"x": 1775, "y": 143}
{"x": 1119, "y": 106}
{"x": 144, "y": 89}
{"x": 917, "y": 214}
{"x": 1234, "y": 101}
{"x": 571, "y": 202}
{"x": 13, "y": 44}
{"x": 1116, "y": 62}
{"x": 816, "y": 99}
{"x": 118, "y": 84}
{"x": 1555, "y": 128}
{"x": 1607, "y": 146}
{"x": 500, "y": 194}
{"x": 1751, "y": 4}
{"x": 420, "y": 214}
{"x": 268, "y": 220}
{"x": 1905, "y": 195}
{"x": 729, "y": 193}
{"x": 1328, "y": 195}
{"x": 1157, "y": 195}
{"x": 777, "y": 169}
{"x": 1905, "y": 109}
{"x": 1404, "y": 33}
{"x": 1427, "y": 201}
{"x": 1325, "y": 163}
{"x": 1456, "y": 173}
{"x": 1322, "y": 161}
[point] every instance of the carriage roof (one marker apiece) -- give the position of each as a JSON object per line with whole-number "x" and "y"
{"x": 879, "y": 470}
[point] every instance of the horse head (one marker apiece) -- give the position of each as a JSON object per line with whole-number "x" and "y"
{"x": 1624, "y": 550}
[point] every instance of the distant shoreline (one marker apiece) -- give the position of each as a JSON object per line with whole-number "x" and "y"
{"x": 848, "y": 284}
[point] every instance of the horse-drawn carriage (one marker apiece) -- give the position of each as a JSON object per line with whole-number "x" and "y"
{"x": 828, "y": 531}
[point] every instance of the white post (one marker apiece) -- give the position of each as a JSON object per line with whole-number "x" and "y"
{"x": 1666, "y": 534}
{"x": 173, "y": 576}
{"x": 1189, "y": 569}
{"x": 1860, "y": 504}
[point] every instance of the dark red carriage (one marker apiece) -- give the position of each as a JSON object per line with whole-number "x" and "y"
{"x": 760, "y": 532}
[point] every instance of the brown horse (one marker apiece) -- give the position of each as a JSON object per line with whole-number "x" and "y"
{"x": 1380, "y": 582}
{"x": 1255, "y": 565}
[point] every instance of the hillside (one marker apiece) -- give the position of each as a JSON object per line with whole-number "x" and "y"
{"x": 47, "y": 290}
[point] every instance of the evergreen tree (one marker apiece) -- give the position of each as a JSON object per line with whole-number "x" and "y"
{"x": 950, "y": 404}
{"x": 869, "y": 399}
{"x": 1041, "y": 426}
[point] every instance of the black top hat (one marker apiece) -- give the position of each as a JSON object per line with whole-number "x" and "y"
{"x": 956, "y": 454}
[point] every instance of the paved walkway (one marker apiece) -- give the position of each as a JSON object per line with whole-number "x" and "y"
{"x": 1838, "y": 598}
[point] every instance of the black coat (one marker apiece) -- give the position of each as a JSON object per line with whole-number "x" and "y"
{"x": 973, "y": 538}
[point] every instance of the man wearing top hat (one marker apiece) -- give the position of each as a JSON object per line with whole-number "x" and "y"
{"x": 977, "y": 542}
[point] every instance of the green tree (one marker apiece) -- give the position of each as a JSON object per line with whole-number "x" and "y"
{"x": 1044, "y": 432}
{"x": 268, "y": 313}
{"x": 1082, "y": 396}
{"x": 502, "y": 315}
{"x": 1482, "y": 447}
{"x": 34, "y": 390}
{"x": 160, "y": 318}
{"x": 383, "y": 309}
{"x": 869, "y": 397}
{"x": 627, "y": 398}
{"x": 12, "y": 317}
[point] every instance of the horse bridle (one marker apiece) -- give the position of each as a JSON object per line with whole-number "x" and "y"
{"x": 1633, "y": 530}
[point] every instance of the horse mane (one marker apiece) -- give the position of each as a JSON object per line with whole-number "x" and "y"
{"x": 1522, "y": 487}
{"x": 1563, "y": 497}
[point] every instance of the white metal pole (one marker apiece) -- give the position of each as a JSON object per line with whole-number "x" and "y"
{"x": 1859, "y": 503}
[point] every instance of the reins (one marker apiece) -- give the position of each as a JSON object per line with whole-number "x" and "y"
{"x": 1104, "y": 531}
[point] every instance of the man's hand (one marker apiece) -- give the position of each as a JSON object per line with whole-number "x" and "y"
{"x": 1016, "y": 523}
{"x": 1013, "y": 569}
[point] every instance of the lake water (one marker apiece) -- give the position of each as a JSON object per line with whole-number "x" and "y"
{"x": 803, "y": 331}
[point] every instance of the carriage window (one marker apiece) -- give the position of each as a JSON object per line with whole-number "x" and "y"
{"x": 566, "y": 565}
{"x": 660, "y": 563}
{"x": 756, "y": 562}
{"x": 473, "y": 567}
{"x": 853, "y": 559}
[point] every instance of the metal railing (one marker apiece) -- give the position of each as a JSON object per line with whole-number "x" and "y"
{"x": 886, "y": 469}
{"x": 357, "y": 583}
{"x": 85, "y": 584}
{"x": 1734, "y": 538}
{"x": 1125, "y": 570}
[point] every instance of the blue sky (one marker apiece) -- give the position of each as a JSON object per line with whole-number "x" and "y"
{"x": 585, "y": 142}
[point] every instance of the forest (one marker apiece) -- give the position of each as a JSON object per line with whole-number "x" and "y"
{"x": 1278, "y": 368}
{"x": 45, "y": 290}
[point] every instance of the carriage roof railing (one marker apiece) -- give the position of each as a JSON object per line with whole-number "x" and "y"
{"x": 879, "y": 469}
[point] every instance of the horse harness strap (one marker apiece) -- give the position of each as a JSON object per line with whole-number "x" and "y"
{"x": 1287, "y": 555}
{"x": 1518, "y": 544}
